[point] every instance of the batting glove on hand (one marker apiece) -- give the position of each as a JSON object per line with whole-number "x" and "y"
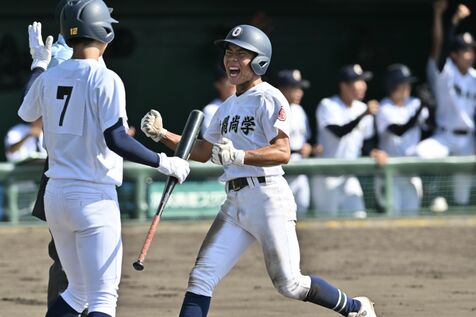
{"x": 151, "y": 125}
{"x": 40, "y": 52}
{"x": 174, "y": 166}
{"x": 224, "y": 153}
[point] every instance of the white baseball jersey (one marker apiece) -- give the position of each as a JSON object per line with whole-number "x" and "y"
{"x": 299, "y": 129}
{"x": 455, "y": 95}
{"x": 251, "y": 121}
{"x": 32, "y": 148}
{"x": 333, "y": 111}
{"x": 390, "y": 113}
{"x": 208, "y": 112}
{"x": 78, "y": 100}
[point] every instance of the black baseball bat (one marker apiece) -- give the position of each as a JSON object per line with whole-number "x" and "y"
{"x": 185, "y": 146}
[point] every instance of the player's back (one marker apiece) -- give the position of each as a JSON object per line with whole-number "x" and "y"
{"x": 79, "y": 100}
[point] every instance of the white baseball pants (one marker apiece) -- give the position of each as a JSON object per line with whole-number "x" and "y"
{"x": 260, "y": 212}
{"x": 84, "y": 219}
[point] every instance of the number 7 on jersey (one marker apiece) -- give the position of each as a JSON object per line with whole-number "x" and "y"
{"x": 60, "y": 94}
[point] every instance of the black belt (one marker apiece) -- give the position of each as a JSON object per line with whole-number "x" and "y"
{"x": 457, "y": 131}
{"x": 240, "y": 183}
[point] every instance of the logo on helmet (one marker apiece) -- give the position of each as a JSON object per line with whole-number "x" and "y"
{"x": 237, "y": 31}
{"x": 73, "y": 31}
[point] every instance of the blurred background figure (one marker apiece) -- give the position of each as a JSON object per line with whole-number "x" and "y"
{"x": 25, "y": 141}
{"x": 224, "y": 90}
{"x": 292, "y": 85}
{"x": 453, "y": 82}
{"x": 398, "y": 123}
{"x": 344, "y": 122}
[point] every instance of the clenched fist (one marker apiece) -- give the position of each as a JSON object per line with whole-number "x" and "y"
{"x": 224, "y": 153}
{"x": 151, "y": 125}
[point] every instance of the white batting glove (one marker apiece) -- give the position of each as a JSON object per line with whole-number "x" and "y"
{"x": 174, "y": 166}
{"x": 224, "y": 153}
{"x": 40, "y": 52}
{"x": 151, "y": 125}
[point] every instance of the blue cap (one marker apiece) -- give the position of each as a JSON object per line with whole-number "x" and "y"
{"x": 462, "y": 41}
{"x": 397, "y": 74}
{"x": 354, "y": 72}
{"x": 291, "y": 78}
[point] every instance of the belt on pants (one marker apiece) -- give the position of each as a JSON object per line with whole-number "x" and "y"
{"x": 240, "y": 183}
{"x": 456, "y": 131}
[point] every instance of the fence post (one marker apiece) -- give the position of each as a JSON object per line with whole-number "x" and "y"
{"x": 389, "y": 173}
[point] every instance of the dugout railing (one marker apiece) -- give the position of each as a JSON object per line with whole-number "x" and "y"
{"x": 19, "y": 182}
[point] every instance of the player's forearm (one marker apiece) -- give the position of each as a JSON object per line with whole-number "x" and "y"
{"x": 268, "y": 156}
{"x": 201, "y": 151}
{"x": 437, "y": 37}
{"x": 17, "y": 146}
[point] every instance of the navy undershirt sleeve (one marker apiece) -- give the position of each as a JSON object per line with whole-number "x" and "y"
{"x": 118, "y": 141}
{"x": 33, "y": 76}
{"x": 449, "y": 34}
{"x": 400, "y": 129}
{"x": 341, "y": 130}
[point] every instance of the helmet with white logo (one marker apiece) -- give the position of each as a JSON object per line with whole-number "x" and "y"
{"x": 251, "y": 39}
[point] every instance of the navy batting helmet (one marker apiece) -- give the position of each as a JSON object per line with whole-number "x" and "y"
{"x": 397, "y": 74}
{"x": 251, "y": 39}
{"x": 87, "y": 19}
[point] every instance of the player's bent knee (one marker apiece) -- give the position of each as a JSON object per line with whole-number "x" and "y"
{"x": 292, "y": 288}
{"x": 202, "y": 282}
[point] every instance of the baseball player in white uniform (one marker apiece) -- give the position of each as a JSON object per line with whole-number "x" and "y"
{"x": 224, "y": 90}
{"x": 453, "y": 81}
{"x": 399, "y": 122}
{"x": 82, "y": 105}
{"x": 344, "y": 122}
{"x": 249, "y": 136}
{"x": 292, "y": 85}
{"x": 24, "y": 141}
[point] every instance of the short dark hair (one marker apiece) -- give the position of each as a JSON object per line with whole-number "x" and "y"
{"x": 79, "y": 40}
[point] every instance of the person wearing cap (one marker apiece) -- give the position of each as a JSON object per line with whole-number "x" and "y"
{"x": 224, "y": 89}
{"x": 292, "y": 85}
{"x": 344, "y": 123}
{"x": 399, "y": 120}
{"x": 453, "y": 82}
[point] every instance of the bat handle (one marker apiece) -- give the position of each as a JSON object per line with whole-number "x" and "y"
{"x": 139, "y": 264}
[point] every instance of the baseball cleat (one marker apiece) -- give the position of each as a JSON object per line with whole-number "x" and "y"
{"x": 366, "y": 308}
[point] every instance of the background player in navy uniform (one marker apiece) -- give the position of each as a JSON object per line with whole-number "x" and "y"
{"x": 292, "y": 85}
{"x": 399, "y": 122}
{"x": 249, "y": 136}
{"x": 82, "y": 105}
{"x": 453, "y": 81}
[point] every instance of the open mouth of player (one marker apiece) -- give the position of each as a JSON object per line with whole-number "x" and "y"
{"x": 233, "y": 71}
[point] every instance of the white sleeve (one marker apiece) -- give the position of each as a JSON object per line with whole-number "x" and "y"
{"x": 30, "y": 109}
{"x": 367, "y": 123}
{"x": 325, "y": 114}
{"x": 273, "y": 116}
{"x": 207, "y": 118}
{"x": 111, "y": 97}
{"x": 212, "y": 133}
{"x": 384, "y": 119}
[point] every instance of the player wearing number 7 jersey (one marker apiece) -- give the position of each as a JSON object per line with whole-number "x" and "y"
{"x": 82, "y": 105}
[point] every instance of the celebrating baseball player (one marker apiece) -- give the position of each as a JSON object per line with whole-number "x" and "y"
{"x": 82, "y": 105}
{"x": 292, "y": 85}
{"x": 453, "y": 81}
{"x": 249, "y": 136}
{"x": 46, "y": 55}
{"x": 399, "y": 122}
{"x": 344, "y": 123}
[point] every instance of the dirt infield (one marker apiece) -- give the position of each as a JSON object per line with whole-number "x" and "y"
{"x": 416, "y": 267}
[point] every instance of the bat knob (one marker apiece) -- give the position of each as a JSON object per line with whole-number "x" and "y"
{"x": 138, "y": 265}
